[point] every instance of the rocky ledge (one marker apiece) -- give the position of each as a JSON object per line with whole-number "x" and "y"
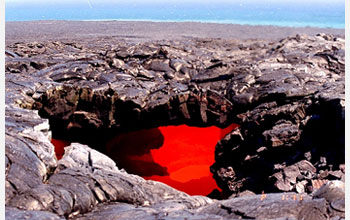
{"x": 284, "y": 161}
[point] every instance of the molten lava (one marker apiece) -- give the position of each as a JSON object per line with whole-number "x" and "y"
{"x": 179, "y": 156}
{"x": 59, "y": 147}
{"x": 187, "y": 153}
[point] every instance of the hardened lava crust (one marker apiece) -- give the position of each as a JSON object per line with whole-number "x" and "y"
{"x": 284, "y": 161}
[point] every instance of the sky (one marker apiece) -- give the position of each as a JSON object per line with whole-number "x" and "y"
{"x": 174, "y": 1}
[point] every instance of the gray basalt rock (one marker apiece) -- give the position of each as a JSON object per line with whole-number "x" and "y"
{"x": 287, "y": 97}
{"x": 14, "y": 213}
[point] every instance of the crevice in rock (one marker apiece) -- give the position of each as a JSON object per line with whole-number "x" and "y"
{"x": 12, "y": 185}
{"x": 8, "y": 163}
{"x": 176, "y": 155}
{"x": 94, "y": 117}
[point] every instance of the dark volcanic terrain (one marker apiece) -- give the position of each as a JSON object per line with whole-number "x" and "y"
{"x": 287, "y": 94}
{"x": 142, "y": 31}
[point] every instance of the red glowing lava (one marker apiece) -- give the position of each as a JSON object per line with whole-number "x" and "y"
{"x": 59, "y": 147}
{"x": 179, "y": 156}
{"x": 187, "y": 153}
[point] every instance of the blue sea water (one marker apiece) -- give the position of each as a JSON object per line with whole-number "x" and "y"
{"x": 289, "y": 13}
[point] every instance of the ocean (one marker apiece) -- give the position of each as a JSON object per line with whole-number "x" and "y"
{"x": 330, "y": 14}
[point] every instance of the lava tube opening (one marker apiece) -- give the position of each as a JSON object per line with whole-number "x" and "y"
{"x": 179, "y": 156}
